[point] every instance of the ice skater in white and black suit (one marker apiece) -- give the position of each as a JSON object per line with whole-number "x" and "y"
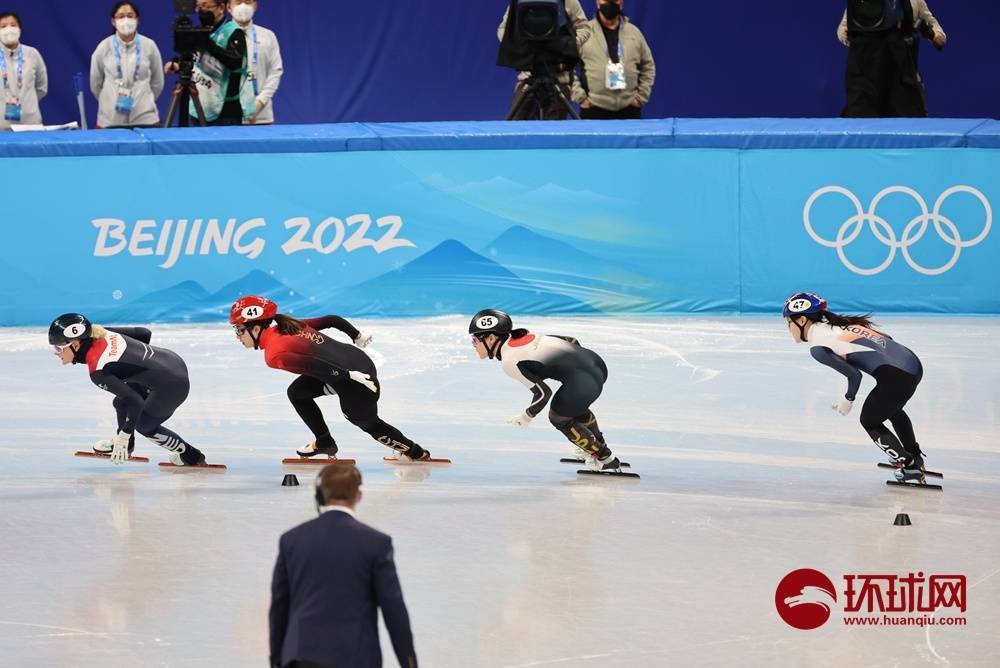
{"x": 531, "y": 359}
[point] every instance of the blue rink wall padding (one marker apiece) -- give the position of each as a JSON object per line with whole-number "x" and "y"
{"x": 423, "y": 219}
{"x": 987, "y": 135}
{"x": 746, "y": 134}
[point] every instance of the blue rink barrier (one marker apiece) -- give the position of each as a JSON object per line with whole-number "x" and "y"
{"x": 418, "y": 219}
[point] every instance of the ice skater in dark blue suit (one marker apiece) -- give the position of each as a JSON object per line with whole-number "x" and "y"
{"x": 333, "y": 574}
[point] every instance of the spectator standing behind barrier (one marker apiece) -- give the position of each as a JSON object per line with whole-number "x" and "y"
{"x": 618, "y": 67}
{"x": 555, "y": 111}
{"x": 220, "y": 72}
{"x": 24, "y": 78}
{"x": 263, "y": 61}
{"x": 126, "y": 73}
{"x": 924, "y": 23}
{"x": 332, "y": 575}
{"x": 881, "y": 79}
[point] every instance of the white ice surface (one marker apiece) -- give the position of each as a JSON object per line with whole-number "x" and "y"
{"x": 507, "y": 558}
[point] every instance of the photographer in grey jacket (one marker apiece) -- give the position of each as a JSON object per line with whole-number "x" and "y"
{"x": 618, "y": 67}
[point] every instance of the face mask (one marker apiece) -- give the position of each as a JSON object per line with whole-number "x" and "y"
{"x": 207, "y": 19}
{"x": 610, "y": 10}
{"x": 10, "y": 35}
{"x": 243, "y": 13}
{"x": 126, "y": 26}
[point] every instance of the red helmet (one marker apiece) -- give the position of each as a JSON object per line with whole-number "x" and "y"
{"x": 250, "y": 309}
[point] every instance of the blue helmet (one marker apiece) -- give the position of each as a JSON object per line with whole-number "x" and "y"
{"x": 803, "y": 303}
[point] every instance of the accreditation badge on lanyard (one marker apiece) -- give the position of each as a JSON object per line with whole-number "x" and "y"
{"x": 252, "y": 74}
{"x": 12, "y": 108}
{"x": 123, "y": 102}
{"x": 616, "y": 71}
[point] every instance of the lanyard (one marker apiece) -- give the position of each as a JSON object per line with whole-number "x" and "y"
{"x": 621, "y": 51}
{"x": 118, "y": 58}
{"x": 256, "y": 44}
{"x": 20, "y": 69}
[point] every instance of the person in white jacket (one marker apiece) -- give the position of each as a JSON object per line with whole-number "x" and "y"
{"x": 263, "y": 61}
{"x": 126, "y": 73}
{"x": 23, "y": 77}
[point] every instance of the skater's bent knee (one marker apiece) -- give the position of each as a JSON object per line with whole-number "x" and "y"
{"x": 559, "y": 421}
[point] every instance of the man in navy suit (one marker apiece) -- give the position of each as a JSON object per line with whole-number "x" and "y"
{"x": 332, "y": 575}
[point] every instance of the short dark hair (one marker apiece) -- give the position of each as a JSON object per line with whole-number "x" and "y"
{"x": 339, "y": 482}
{"x": 17, "y": 18}
{"x": 119, "y": 5}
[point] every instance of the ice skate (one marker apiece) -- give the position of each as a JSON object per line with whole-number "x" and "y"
{"x": 194, "y": 458}
{"x": 105, "y": 447}
{"x": 605, "y": 463}
{"x": 313, "y": 450}
{"x": 912, "y": 474}
{"x": 911, "y": 470}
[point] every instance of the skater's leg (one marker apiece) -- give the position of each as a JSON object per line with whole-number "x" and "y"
{"x": 574, "y": 399}
{"x": 893, "y": 389}
{"x": 360, "y": 407}
{"x": 159, "y": 407}
{"x": 589, "y": 420}
{"x": 302, "y": 393}
{"x": 576, "y": 431}
{"x": 904, "y": 430}
{"x": 105, "y": 447}
{"x": 181, "y": 452}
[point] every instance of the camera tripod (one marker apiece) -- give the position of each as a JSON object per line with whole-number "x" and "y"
{"x": 540, "y": 95}
{"x": 184, "y": 93}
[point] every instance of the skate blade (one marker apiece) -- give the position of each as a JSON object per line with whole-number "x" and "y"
{"x": 317, "y": 460}
{"x": 211, "y": 467}
{"x": 94, "y": 455}
{"x": 933, "y": 474}
{"x": 571, "y": 460}
{"x": 432, "y": 460}
{"x": 915, "y": 485}
{"x": 615, "y": 474}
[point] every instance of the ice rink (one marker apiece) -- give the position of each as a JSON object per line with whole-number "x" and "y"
{"x": 508, "y": 558}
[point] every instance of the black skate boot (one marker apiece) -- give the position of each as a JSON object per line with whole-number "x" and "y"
{"x": 604, "y": 460}
{"x": 414, "y": 454}
{"x": 324, "y": 445}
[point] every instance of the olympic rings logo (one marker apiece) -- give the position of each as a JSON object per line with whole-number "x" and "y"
{"x": 912, "y": 233}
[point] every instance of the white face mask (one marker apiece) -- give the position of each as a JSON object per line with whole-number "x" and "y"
{"x": 243, "y": 13}
{"x": 10, "y": 35}
{"x": 126, "y": 26}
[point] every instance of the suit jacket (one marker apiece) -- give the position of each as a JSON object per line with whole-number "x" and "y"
{"x": 332, "y": 575}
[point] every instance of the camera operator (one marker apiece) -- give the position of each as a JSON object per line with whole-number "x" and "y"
{"x": 618, "y": 67}
{"x": 555, "y": 109}
{"x": 220, "y": 71}
{"x": 882, "y": 79}
{"x": 924, "y": 23}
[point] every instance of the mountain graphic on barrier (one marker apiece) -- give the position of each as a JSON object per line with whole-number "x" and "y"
{"x": 217, "y": 305}
{"x": 606, "y": 285}
{"x": 173, "y": 304}
{"x": 190, "y": 302}
{"x": 451, "y": 278}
